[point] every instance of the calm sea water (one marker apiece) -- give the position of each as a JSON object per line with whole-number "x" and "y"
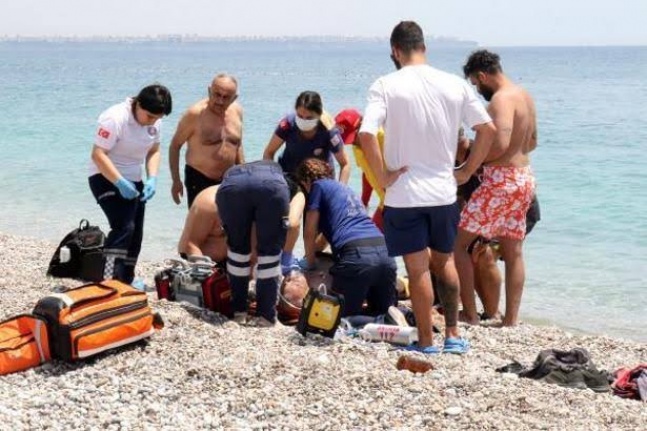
{"x": 586, "y": 259}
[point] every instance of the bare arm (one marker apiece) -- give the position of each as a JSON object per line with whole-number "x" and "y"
{"x": 344, "y": 165}
{"x": 502, "y": 112}
{"x": 153, "y": 160}
{"x": 104, "y": 164}
{"x": 240, "y": 155}
{"x": 479, "y": 150}
{"x": 182, "y": 134}
{"x": 310, "y": 231}
{"x": 272, "y": 147}
{"x": 533, "y": 137}
{"x": 374, "y": 157}
{"x": 197, "y": 227}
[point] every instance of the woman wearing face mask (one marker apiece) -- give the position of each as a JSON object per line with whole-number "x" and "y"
{"x": 308, "y": 132}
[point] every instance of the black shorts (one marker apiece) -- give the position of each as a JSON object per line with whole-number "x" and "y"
{"x": 533, "y": 215}
{"x": 195, "y": 181}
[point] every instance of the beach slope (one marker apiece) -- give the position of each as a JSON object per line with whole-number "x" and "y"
{"x": 202, "y": 371}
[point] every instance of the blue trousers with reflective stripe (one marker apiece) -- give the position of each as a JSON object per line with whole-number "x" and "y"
{"x": 126, "y": 219}
{"x": 254, "y": 193}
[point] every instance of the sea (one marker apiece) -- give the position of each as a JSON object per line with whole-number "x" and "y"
{"x": 586, "y": 260}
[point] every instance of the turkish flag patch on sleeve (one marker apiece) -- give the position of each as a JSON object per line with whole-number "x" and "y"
{"x": 105, "y": 134}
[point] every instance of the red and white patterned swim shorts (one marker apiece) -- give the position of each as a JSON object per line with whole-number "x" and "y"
{"x": 497, "y": 208}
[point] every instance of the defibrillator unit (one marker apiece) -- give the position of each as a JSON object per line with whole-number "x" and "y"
{"x": 321, "y": 313}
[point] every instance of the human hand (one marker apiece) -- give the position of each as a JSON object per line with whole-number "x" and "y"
{"x": 149, "y": 189}
{"x": 391, "y": 177}
{"x": 177, "y": 191}
{"x": 126, "y": 188}
{"x": 462, "y": 176}
{"x": 305, "y": 266}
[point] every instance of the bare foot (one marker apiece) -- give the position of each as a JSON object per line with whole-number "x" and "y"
{"x": 495, "y": 316}
{"x": 510, "y": 322}
{"x": 474, "y": 321}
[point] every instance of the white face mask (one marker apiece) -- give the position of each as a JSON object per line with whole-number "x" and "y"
{"x": 306, "y": 125}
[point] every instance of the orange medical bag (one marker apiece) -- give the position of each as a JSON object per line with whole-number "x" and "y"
{"x": 23, "y": 343}
{"x": 92, "y": 318}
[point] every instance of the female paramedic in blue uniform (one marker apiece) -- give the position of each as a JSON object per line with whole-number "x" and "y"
{"x": 308, "y": 132}
{"x": 362, "y": 269}
{"x": 128, "y": 135}
{"x": 257, "y": 194}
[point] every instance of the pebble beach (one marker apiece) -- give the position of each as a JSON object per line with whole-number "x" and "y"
{"x": 204, "y": 372}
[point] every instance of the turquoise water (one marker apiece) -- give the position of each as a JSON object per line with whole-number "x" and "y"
{"x": 586, "y": 259}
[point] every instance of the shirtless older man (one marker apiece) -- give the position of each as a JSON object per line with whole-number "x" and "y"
{"x": 497, "y": 208}
{"x": 203, "y": 234}
{"x": 213, "y": 129}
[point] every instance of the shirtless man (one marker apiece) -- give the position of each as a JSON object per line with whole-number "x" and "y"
{"x": 497, "y": 208}
{"x": 203, "y": 234}
{"x": 213, "y": 129}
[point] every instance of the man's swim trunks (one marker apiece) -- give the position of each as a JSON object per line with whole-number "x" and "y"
{"x": 195, "y": 181}
{"x": 497, "y": 208}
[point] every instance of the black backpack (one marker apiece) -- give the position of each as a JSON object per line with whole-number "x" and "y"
{"x": 85, "y": 245}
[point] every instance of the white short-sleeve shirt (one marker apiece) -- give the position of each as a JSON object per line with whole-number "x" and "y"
{"x": 127, "y": 142}
{"x": 421, "y": 109}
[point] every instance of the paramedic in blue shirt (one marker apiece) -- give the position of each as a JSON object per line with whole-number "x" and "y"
{"x": 362, "y": 269}
{"x": 308, "y": 132}
{"x": 127, "y": 137}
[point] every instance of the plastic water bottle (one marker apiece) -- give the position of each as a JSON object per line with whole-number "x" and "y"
{"x": 390, "y": 333}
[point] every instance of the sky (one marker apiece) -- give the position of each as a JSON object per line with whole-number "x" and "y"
{"x": 488, "y": 22}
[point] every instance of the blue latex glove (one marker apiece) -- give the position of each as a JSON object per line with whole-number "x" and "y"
{"x": 126, "y": 188}
{"x": 139, "y": 284}
{"x": 149, "y": 189}
{"x": 303, "y": 264}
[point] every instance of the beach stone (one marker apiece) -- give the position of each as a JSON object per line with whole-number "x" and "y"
{"x": 453, "y": 411}
{"x": 204, "y": 372}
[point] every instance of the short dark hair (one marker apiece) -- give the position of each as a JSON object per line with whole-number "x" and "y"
{"x": 407, "y": 36}
{"x": 310, "y": 100}
{"x": 155, "y": 99}
{"x": 482, "y": 61}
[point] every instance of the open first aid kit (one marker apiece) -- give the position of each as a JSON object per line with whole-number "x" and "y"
{"x": 199, "y": 282}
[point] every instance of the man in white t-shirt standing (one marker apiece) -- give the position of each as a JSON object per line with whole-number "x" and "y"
{"x": 421, "y": 109}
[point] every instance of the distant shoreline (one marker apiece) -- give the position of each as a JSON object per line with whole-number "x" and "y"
{"x": 433, "y": 42}
{"x": 188, "y": 38}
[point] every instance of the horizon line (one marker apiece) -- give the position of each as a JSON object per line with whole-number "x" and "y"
{"x": 192, "y": 37}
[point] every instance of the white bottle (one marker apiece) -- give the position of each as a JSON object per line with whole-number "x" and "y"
{"x": 390, "y": 333}
{"x": 64, "y": 254}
